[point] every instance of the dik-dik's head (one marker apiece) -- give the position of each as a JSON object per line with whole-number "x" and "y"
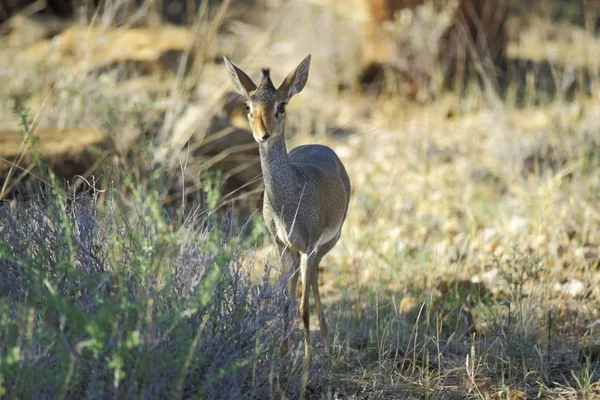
{"x": 265, "y": 105}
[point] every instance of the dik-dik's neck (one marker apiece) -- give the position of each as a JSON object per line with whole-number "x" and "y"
{"x": 276, "y": 167}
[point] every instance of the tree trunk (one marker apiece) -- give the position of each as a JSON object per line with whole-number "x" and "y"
{"x": 472, "y": 46}
{"x": 475, "y": 43}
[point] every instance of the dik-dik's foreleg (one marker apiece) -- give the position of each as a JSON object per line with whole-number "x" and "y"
{"x": 290, "y": 261}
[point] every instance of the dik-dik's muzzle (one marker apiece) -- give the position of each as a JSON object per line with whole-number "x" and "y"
{"x": 263, "y": 138}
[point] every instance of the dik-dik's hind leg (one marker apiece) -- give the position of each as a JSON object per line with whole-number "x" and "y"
{"x": 324, "y": 249}
{"x": 290, "y": 261}
{"x": 322, "y": 324}
{"x": 307, "y": 266}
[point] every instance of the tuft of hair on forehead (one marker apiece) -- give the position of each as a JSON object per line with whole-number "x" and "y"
{"x": 266, "y": 85}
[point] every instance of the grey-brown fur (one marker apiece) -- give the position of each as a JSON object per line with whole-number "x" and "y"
{"x": 307, "y": 190}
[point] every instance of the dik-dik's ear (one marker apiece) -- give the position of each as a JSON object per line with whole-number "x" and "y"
{"x": 243, "y": 83}
{"x": 295, "y": 81}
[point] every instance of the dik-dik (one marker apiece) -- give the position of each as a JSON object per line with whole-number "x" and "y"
{"x": 306, "y": 190}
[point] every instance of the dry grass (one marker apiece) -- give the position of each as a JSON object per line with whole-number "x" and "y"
{"x": 468, "y": 265}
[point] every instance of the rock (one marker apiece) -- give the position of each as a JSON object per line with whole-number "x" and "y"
{"x": 88, "y": 48}
{"x": 517, "y": 226}
{"x": 53, "y": 144}
{"x": 574, "y": 288}
{"x": 66, "y": 152}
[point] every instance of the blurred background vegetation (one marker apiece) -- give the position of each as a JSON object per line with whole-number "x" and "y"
{"x": 113, "y": 75}
{"x": 133, "y": 259}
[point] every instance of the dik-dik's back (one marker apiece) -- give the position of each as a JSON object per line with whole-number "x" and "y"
{"x": 317, "y": 208}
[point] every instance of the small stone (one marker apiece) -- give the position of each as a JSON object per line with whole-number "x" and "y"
{"x": 574, "y": 288}
{"x": 517, "y": 225}
{"x": 487, "y": 277}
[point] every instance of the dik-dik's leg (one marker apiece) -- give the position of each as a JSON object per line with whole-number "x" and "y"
{"x": 322, "y": 324}
{"x": 307, "y": 267}
{"x": 291, "y": 265}
{"x": 315, "y": 286}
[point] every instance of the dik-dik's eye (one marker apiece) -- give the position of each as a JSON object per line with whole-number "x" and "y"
{"x": 247, "y": 109}
{"x": 281, "y": 108}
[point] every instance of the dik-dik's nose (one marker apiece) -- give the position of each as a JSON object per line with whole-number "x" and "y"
{"x": 261, "y": 138}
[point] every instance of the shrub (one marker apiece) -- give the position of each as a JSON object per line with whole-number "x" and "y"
{"x": 110, "y": 300}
